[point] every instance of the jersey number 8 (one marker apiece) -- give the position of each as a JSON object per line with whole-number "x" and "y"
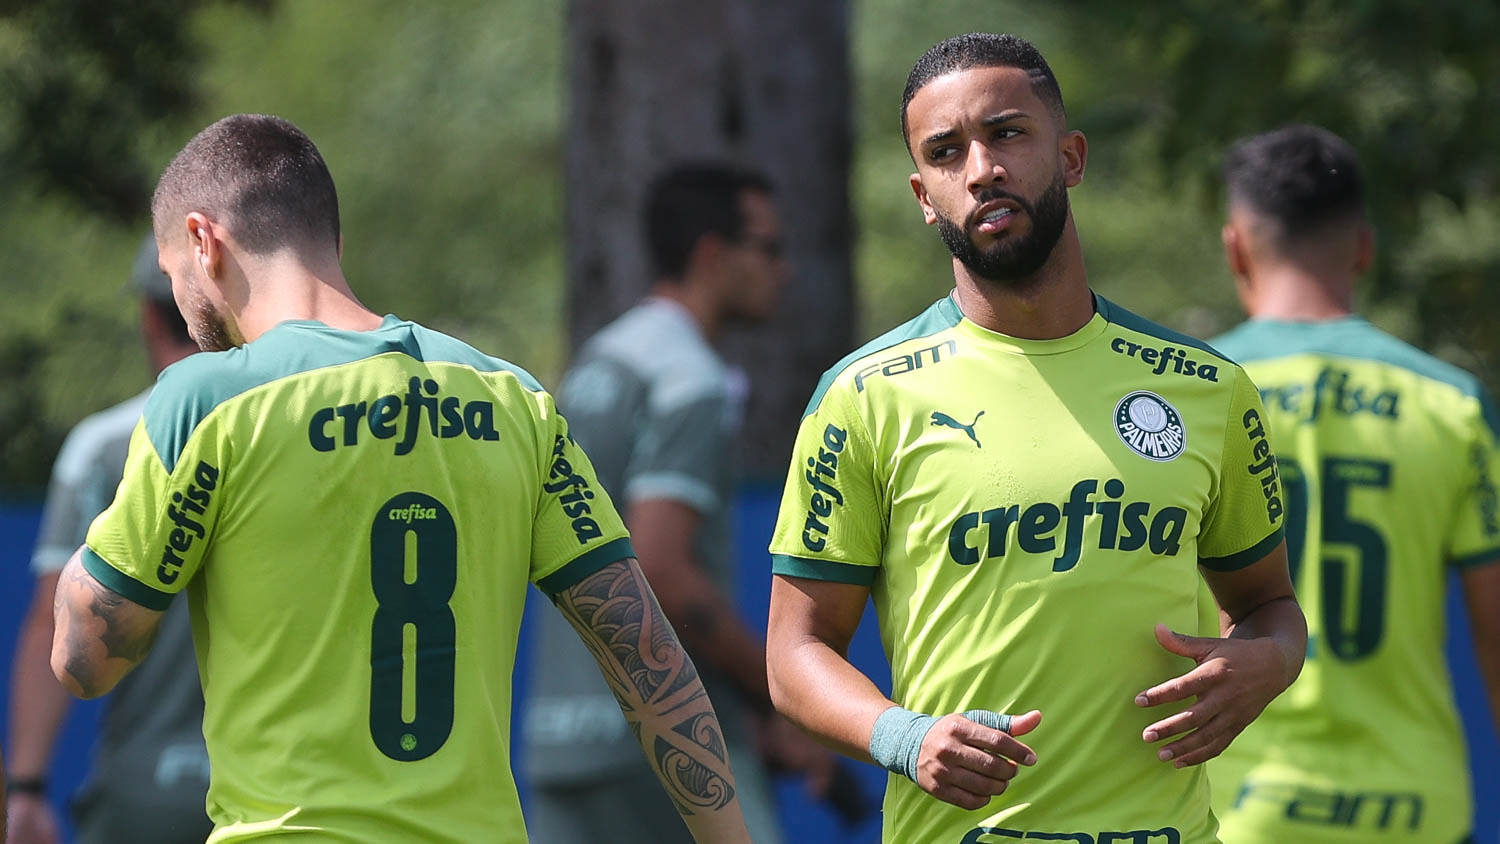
{"x": 413, "y": 570}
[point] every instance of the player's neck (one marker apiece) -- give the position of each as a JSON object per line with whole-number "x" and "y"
{"x": 1053, "y": 303}
{"x": 1290, "y": 294}
{"x": 697, "y": 300}
{"x": 292, "y": 290}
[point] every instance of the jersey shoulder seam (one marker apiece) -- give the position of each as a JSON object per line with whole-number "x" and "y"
{"x": 1131, "y": 321}
{"x": 937, "y": 318}
{"x": 189, "y": 391}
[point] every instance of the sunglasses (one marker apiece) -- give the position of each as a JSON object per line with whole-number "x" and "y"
{"x": 771, "y": 247}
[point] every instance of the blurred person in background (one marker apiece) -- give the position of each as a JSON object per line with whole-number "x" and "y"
{"x": 1389, "y": 466}
{"x": 658, "y": 410}
{"x": 356, "y": 504}
{"x": 150, "y": 769}
{"x": 1031, "y": 482}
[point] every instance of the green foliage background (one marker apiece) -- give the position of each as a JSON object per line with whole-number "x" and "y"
{"x": 444, "y": 127}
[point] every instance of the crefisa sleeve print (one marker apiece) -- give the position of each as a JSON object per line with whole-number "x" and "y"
{"x": 1475, "y": 538}
{"x": 830, "y": 525}
{"x": 153, "y": 538}
{"x": 1245, "y": 519}
{"x": 577, "y": 529}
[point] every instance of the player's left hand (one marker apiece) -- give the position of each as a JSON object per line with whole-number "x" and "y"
{"x": 1233, "y": 682}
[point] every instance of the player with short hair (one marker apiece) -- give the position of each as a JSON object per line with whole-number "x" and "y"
{"x": 1028, "y": 480}
{"x": 658, "y": 410}
{"x": 150, "y": 770}
{"x": 356, "y": 506}
{"x": 1388, "y": 464}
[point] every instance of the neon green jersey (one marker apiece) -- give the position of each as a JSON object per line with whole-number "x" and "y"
{"x": 355, "y": 516}
{"x": 1388, "y": 461}
{"x": 1025, "y": 512}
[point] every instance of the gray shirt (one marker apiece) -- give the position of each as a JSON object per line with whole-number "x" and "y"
{"x": 150, "y": 768}
{"x": 657, "y": 411}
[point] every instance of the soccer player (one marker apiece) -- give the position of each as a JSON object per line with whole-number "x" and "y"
{"x": 1388, "y": 464}
{"x": 1028, "y": 479}
{"x": 356, "y": 505}
{"x": 150, "y": 769}
{"x": 658, "y": 411}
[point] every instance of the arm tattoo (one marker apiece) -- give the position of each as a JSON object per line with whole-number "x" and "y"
{"x": 122, "y": 636}
{"x": 655, "y": 682}
{"x": 629, "y": 636}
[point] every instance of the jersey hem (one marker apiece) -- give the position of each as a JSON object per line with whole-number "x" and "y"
{"x": 1482, "y": 558}
{"x": 580, "y": 567}
{"x": 828, "y": 570}
{"x": 118, "y": 581}
{"x": 1255, "y": 553}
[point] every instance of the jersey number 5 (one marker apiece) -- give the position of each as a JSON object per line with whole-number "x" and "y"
{"x": 413, "y": 570}
{"x": 1338, "y": 479}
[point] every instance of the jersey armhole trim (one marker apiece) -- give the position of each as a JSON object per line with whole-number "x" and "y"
{"x": 1254, "y": 554}
{"x": 828, "y": 570}
{"x": 122, "y": 583}
{"x": 573, "y": 572}
{"x": 1481, "y": 558}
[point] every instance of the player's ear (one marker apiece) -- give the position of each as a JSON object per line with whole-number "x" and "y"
{"x": 1075, "y": 156}
{"x": 929, "y": 215}
{"x": 706, "y": 258}
{"x": 1234, "y": 250}
{"x": 204, "y": 241}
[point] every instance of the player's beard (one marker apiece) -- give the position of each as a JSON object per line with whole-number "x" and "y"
{"x": 207, "y": 326}
{"x": 1015, "y": 259}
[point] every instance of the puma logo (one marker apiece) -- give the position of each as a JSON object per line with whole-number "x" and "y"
{"x": 942, "y": 419}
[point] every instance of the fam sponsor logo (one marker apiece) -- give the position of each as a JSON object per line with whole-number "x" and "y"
{"x": 902, "y": 364}
{"x": 1264, "y": 465}
{"x": 188, "y": 511}
{"x": 1165, "y": 358}
{"x": 573, "y": 491}
{"x": 1332, "y": 391}
{"x": 985, "y": 535}
{"x": 380, "y": 417}
{"x": 1150, "y": 426}
{"x": 822, "y": 472}
{"x": 1367, "y": 810}
{"x": 1002, "y": 835}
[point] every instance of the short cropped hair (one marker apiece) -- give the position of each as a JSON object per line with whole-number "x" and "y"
{"x": 689, "y": 201}
{"x": 1298, "y": 177}
{"x": 261, "y": 176}
{"x": 983, "y": 49}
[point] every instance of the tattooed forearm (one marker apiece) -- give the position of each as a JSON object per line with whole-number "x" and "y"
{"x": 624, "y": 627}
{"x": 659, "y": 691}
{"x": 100, "y": 635}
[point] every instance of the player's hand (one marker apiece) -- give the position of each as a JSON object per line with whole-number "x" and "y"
{"x": 787, "y": 748}
{"x": 966, "y": 764}
{"x": 1233, "y": 682}
{"x": 32, "y": 820}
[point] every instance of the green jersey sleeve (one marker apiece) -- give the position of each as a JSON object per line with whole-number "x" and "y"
{"x": 1475, "y": 537}
{"x": 150, "y": 542}
{"x": 831, "y": 525}
{"x": 577, "y": 530}
{"x": 1243, "y": 522}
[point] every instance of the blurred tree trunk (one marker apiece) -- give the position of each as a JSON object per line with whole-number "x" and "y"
{"x": 761, "y": 82}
